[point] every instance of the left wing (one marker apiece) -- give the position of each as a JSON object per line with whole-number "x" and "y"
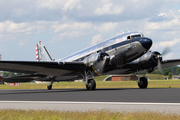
{"x": 148, "y": 65}
{"x": 46, "y": 68}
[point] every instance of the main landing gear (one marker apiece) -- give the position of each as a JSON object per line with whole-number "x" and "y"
{"x": 49, "y": 87}
{"x": 142, "y": 82}
{"x": 90, "y": 83}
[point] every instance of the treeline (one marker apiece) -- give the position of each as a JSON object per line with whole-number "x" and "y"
{"x": 11, "y": 74}
{"x": 175, "y": 70}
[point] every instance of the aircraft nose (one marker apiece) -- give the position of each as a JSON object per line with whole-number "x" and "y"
{"x": 146, "y": 43}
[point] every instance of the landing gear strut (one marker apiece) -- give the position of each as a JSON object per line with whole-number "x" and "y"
{"x": 49, "y": 87}
{"x": 91, "y": 84}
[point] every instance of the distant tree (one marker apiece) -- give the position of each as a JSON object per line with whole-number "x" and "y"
{"x": 156, "y": 72}
{"x": 165, "y": 71}
{"x": 8, "y": 74}
{"x": 20, "y": 74}
{"x": 170, "y": 75}
{"x": 11, "y": 74}
{"x": 5, "y": 74}
{"x": 177, "y": 71}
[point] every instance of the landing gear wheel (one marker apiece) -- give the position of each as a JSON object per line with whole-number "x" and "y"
{"x": 91, "y": 84}
{"x": 49, "y": 87}
{"x": 143, "y": 83}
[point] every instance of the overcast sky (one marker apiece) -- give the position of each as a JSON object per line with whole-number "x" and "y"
{"x": 66, "y": 26}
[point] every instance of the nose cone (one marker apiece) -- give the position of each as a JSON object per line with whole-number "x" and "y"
{"x": 146, "y": 43}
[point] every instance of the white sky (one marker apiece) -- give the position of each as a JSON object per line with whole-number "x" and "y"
{"x": 66, "y": 26}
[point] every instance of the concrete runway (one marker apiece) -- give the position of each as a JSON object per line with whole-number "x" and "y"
{"x": 122, "y": 99}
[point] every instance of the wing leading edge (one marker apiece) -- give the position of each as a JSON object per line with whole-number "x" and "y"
{"x": 168, "y": 63}
{"x": 45, "y": 68}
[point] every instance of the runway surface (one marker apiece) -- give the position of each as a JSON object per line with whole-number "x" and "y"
{"x": 163, "y": 100}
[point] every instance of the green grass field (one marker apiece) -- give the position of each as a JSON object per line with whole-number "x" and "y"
{"x": 90, "y": 115}
{"x": 99, "y": 84}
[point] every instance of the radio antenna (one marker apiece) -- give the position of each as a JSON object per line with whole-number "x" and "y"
{"x": 127, "y": 30}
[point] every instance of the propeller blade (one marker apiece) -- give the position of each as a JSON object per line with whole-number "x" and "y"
{"x": 166, "y": 51}
{"x": 160, "y": 67}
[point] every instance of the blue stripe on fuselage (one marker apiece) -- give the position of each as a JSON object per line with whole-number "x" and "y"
{"x": 105, "y": 46}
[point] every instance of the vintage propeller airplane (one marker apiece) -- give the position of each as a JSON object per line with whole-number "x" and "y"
{"x": 123, "y": 54}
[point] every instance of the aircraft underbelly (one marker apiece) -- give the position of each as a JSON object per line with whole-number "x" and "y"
{"x": 60, "y": 78}
{"x": 117, "y": 71}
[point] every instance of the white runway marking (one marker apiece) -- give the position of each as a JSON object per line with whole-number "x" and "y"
{"x": 107, "y": 103}
{"x": 94, "y": 106}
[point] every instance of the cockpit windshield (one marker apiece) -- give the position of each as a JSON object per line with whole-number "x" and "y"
{"x": 134, "y": 36}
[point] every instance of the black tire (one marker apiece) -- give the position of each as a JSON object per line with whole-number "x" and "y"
{"x": 49, "y": 87}
{"x": 91, "y": 85}
{"x": 143, "y": 83}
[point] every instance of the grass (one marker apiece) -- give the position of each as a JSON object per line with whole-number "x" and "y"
{"x": 9, "y": 114}
{"x": 155, "y": 82}
{"x": 99, "y": 84}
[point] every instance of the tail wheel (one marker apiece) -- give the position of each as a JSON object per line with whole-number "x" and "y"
{"x": 143, "y": 83}
{"x": 49, "y": 87}
{"x": 91, "y": 84}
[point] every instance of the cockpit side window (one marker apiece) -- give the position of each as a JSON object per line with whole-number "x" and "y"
{"x": 128, "y": 38}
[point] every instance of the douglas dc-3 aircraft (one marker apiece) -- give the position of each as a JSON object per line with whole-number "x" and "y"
{"x": 124, "y": 54}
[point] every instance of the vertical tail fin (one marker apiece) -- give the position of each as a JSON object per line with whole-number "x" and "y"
{"x": 42, "y": 53}
{"x": 37, "y": 53}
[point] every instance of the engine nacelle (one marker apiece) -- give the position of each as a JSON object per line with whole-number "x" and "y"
{"x": 149, "y": 61}
{"x": 95, "y": 58}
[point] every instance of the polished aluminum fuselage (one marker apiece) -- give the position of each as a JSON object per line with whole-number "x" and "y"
{"x": 120, "y": 50}
{"x": 115, "y": 47}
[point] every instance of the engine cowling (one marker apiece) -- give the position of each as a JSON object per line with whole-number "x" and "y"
{"x": 97, "y": 61}
{"x": 95, "y": 58}
{"x": 149, "y": 61}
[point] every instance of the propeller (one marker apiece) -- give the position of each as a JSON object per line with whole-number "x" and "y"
{"x": 159, "y": 58}
{"x": 166, "y": 51}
